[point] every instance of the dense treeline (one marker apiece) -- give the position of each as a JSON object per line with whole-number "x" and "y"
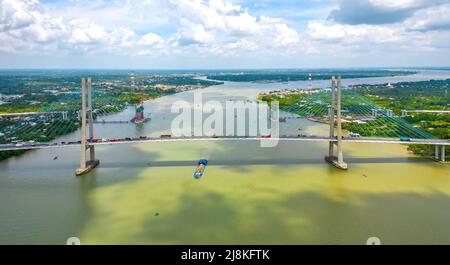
{"x": 41, "y": 131}
{"x": 382, "y": 127}
{"x": 35, "y": 81}
{"x": 424, "y": 95}
{"x": 300, "y": 75}
{"x": 8, "y": 154}
{"x": 421, "y": 88}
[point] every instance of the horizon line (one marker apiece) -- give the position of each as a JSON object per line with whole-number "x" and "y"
{"x": 226, "y": 69}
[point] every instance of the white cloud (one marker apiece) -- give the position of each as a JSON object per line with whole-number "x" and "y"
{"x": 212, "y": 23}
{"x": 434, "y": 18}
{"x": 217, "y": 15}
{"x": 191, "y": 33}
{"x": 17, "y": 14}
{"x": 190, "y": 28}
{"x": 351, "y": 34}
{"x": 25, "y": 26}
{"x": 412, "y": 35}
{"x": 8, "y": 44}
{"x": 367, "y": 39}
{"x": 123, "y": 37}
{"x": 151, "y": 39}
{"x": 225, "y": 8}
{"x": 377, "y": 12}
{"x": 84, "y": 32}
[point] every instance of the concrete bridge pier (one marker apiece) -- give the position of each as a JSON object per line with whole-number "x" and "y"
{"x": 337, "y": 161}
{"x": 440, "y": 158}
{"x": 86, "y": 166}
{"x": 436, "y": 152}
{"x": 64, "y": 115}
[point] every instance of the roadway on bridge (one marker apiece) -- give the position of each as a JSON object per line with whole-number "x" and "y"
{"x": 144, "y": 139}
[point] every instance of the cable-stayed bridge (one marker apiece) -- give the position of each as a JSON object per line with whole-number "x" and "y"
{"x": 334, "y": 107}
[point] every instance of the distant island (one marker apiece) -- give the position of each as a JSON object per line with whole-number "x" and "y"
{"x": 269, "y": 76}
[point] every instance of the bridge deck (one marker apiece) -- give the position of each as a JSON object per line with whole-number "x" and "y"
{"x": 9, "y": 147}
{"x": 30, "y": 113}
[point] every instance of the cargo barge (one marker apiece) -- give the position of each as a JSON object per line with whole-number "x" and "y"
{"x": 201, "y": 166}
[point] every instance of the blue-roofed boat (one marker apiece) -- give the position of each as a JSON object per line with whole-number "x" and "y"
{"x": 201, "y": 166}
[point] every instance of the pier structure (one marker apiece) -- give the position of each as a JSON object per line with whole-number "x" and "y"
{"x": 441, "y": 157}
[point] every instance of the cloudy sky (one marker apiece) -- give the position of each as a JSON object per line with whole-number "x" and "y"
{"x": 178, "y": 34}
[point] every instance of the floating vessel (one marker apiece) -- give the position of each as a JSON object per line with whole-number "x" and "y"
{"x": 201, "y": 166}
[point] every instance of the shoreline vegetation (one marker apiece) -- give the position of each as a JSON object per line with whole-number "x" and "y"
{"x": 423, "y": 95}
{"x": 273, "y": 76}
{"x": 60, "y": 91}
{"x": 377, "y": 110}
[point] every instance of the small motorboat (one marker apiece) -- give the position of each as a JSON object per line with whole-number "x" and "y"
{"x": 201, "y": 166}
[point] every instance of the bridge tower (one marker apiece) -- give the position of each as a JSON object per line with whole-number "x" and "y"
{"x": 334, "y": 113}
{"x": 86, "y": 166}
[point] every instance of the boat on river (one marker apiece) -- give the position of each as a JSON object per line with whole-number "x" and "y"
{"x": 201, "y": 166}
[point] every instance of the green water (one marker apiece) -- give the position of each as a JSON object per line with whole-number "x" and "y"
{"x": 282, "y": 197}
{"x": 145, "y": 193}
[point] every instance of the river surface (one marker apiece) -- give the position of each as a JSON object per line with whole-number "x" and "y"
{"x": 145, "y": 193}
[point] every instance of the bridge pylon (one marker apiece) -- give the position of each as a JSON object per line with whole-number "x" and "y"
{"x": 86, "y": 166}
{"x": 334, "y": 112}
